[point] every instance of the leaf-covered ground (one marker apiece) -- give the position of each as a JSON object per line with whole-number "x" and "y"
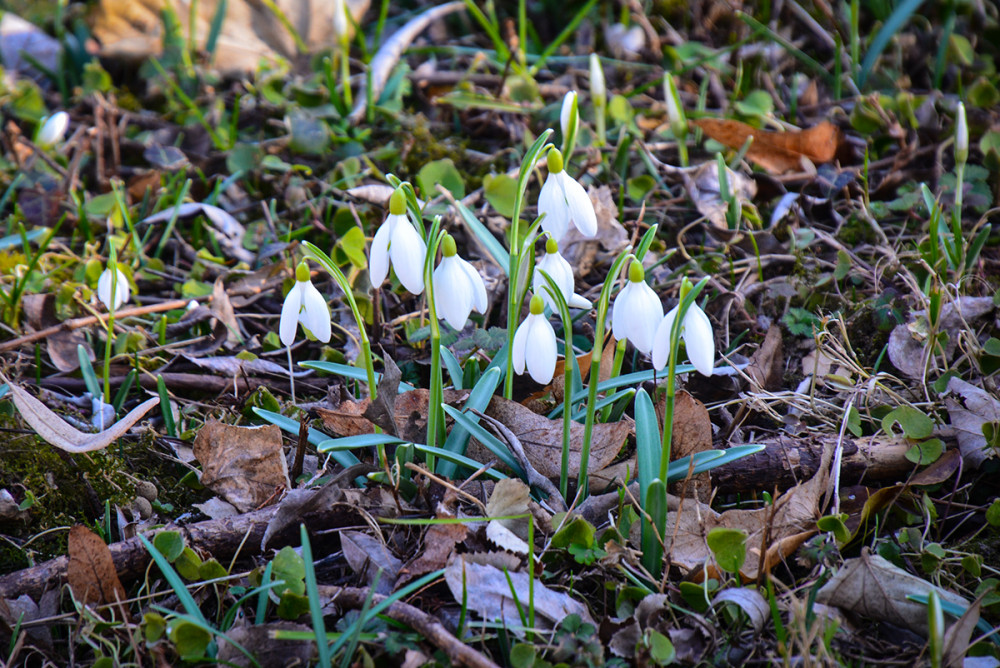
{"x": 835, "y": 499}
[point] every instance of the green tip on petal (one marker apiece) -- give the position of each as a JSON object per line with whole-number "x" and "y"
{"x": 537, "y": 306}
{"x": 448, "y": 247}
{"x": 397, "y": 202}
{"x": 555, "y": 160}
{"x": 551, "y": 246}
{"x": 635, "y": 272}
{"x": 302, "y": 272}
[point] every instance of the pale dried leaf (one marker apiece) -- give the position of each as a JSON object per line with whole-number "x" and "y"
{"x": 969, "y": 408}
{"x": 510, "y": 497}
{"x": 489, "y": 592}
{"x": 368, "y": 556}
{"x": 872, "y": 586}
{"x": 57, "y": 432}
{"x": 750, "y": 601}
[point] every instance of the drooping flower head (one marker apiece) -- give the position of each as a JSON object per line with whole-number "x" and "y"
{"x": 53, "y": 129}
{"x": 564, "y": 202}
{"x": 399, "y": 242}
{"x": 675, "y": 110}
{"x": 458, "y": 287}
{"x": 560, "y": 271}
{"x": 696, "y": 331}
{"x": 112, "y": 286}
{"x": 304, "y": 304}
{"x": 535, "y": 344}
{"x": 637, "y": 311}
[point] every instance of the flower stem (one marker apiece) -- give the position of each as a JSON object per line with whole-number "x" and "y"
{"x": 291, "y": 376}
{"x": 435, "y": 411}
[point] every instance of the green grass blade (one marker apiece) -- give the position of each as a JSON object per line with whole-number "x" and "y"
{"x": 358, "y": 441}
{"x": 315, "y": 606}
{"x": 897, "y": 19}
{"x": 165, "y": 407}
{"x": 495, "y": 445}
{"x": 348, "y": 371}
{"x": 345, "y": 459}
{"x": 448, "y": 457}
{"x": 478, "y": 399}
{"x": 454, "y": 367}
{"x": 485, "y": 237}
{"x": 88, "y": 373}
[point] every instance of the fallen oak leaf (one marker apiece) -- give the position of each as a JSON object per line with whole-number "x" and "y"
{"x": 777, "y": 152}
{"x": 91, "y": 571}
{"x": 54, "y": 430}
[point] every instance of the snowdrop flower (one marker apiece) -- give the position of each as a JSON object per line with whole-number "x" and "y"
{"x": 568, "y": 114}
{"x": 961, "y": 136}
{"x": 535, "y": 344}
{"x": 304, "y": 304}
{"x": 558, "y": 269}
{"x": 598, "y": 90}
{"x": 398, "y": 241}
{"x": 340, "y": 22}
{"x": 458, "y": 287}
{"x": 53, "y": 129}
{"x": 696, "y": 330}
{"x": 637, "y": 311}
{"x": 563, "y": 201}
{"x": 121, "y": 288}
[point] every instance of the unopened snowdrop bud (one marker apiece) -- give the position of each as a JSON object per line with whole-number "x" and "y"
{"x": 598, "y": 91}
{"x": 563, "y": 201}
{"x": 568, "y": 114}
{"x": 399, "y": 242}
{"x": 560, "y": 271}
{"x": 637, "y": 311}
{"x": 340, "y": 23}
{"x": 675, "y": 110}
{"x": 458, "y": 287}
{"x": 53, "y": 129}
{"x": 113, "y": 288}
{"x": 699, "y": 340}
{"x": 304, "y": 304}
{"x": 961, "y": 136}
{"x": 535, "y": 344}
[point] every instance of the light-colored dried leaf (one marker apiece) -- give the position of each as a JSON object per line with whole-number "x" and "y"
{"x": 874, "y": 587}
{"x": 57, "y": 432}
{"x": 969, "y": 408}
{"x": 750, "y": 601}
{"x": 368, "y": 556}
{"x": 487, "y": 590}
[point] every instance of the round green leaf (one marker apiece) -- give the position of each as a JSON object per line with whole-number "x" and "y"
{"x": 170, "y": 544}
{"x": 729, "y": 548}
{"x": 443, "y": 172}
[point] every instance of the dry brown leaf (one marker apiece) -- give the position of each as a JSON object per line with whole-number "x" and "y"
{"x": 583, "y": 363}
{"x": 874, "y": 587}
{"x": 969, "y": 408}
{"x": 490, "y": 591}
{"x": 791, "y": 521}
{"x": 777, "y": 152}
{"x": 439, "y": 543}
{"x": 542, "y": 438}
{"x": 250, "y": 31}
{"x": 91, "y": 571}
{"x": 692, "y": 433}
{"x": 57, "y": 432}
{"x": 348, "y": 419}
{"x": 767, "y": 364}
{"x": 243, "y": 465}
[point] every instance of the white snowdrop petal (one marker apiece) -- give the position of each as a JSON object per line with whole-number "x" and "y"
{"x": 378, "y": 259}
{"x": 315, "y": 312}
{"x": 579, "y": 301}
{"x": 541, "y": 356}
{"x": 565, "y": 111}
{"x": 661, "y": 340}
{"x": 477, "y": 287}
{"x": 699, "y": 340}
{"x": 619, "y": 326}
{"x": 289, "y": 321}
{"x": 520, "y": 344}
{"x": 104, "y": 289}
{"x": 581, "y": 208}
{"x": 552, "y": 203}
{"x": 647, "y": 312}
{"x": 408, "y": 251}
{"x": 54, "y": 129}
{"x": 452, "y": 294}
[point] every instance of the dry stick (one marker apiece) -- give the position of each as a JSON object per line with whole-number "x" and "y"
{"x": 428, "y": 626}
{"x": 86, "y": 321}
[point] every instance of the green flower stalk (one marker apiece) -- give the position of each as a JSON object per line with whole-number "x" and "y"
{"x": 435, "y": 412}
{"x": 113, "y": 291}
{"x": 556, "y": 295}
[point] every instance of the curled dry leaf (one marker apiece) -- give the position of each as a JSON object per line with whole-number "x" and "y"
{"x": 874, "y": 587}
{"x": 91, "y": 571}
{"x": 243, "y": 465}
{"x": 750, "y": 601}
{"x": 490, "y": 592}
{"x": 227, "y": 230}
{"x": 767, "y": 364}
{"x": 57, "y": 432}
{"x": 777, "y": 152}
